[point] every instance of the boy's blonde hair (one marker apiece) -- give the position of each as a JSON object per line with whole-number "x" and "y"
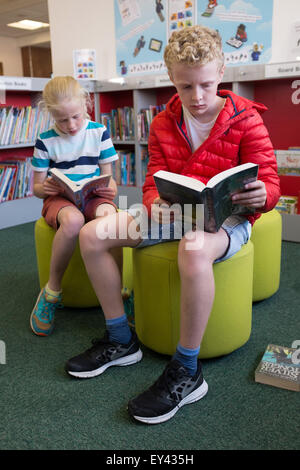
{"x": 194, "y": 45}
{"x": 64, "y": 88}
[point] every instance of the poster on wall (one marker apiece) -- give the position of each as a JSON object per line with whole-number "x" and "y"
{"x": 140, "y": 36}
{"x": 245, "y": 27}
{"x": 143, "y": 28}
{"x": 84, "y": 64}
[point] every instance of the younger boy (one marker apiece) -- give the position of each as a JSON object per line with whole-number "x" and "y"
{"x": 201, "y": 132}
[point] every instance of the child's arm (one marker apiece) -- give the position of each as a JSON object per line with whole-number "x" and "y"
{"x": 43, "y": 186}
{"x": 112, "y": 190}
{"x": 256, "y": 147}
{"x": 156, "y": 162}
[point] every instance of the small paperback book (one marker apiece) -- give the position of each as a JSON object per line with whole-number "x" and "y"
{"x": 81, "y": 193}
{"x": 280, "y": 367}
{"x": 215, "y": 195}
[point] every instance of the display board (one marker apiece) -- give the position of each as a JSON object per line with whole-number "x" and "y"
{"x": 144, "y": 26}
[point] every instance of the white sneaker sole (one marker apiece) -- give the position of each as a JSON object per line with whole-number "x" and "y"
{"x": 122, "y": 361}
{"x": 196, "y": 395}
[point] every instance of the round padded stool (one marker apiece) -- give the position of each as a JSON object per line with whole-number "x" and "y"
{"x": 266, "y": 238}
{"x": 157, "y": 300}
{"x": 76, "y": 286}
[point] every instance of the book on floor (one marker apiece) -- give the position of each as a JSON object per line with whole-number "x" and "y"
{"x": 215, "y": 195}
{"x": 79, "y": 193}
{"x": 280, "y": 367}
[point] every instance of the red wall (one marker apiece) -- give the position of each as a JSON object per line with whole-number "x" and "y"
{"x": 283, "y": 116}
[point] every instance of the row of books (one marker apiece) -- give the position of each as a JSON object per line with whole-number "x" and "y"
{"x": 124, "y": 168}
{"x": 144, "y": 162}
{"x": 145, "y": 118}
{"x": 288, "y": 205}
{"x": 16, "y": 180}
{"x": 119, "y": 123}
{"x": 288, "y": 161}
{"x": 22, "y": 125}
{"x": 288, "y": 164}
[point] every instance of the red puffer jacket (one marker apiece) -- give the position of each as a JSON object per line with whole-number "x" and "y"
{"x": 238, "y": 136}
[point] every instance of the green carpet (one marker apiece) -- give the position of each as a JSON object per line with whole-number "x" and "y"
{"x": 41, "y": 407}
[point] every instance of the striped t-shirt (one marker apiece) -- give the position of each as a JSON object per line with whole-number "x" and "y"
{"x": 78, "y": 156}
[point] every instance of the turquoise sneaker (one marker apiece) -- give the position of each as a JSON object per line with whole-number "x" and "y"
{"x": 42, "y": 316}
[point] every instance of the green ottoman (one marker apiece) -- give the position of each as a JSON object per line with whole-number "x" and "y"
{"x": 157, "y": 300}
{"x": 266, "y": 238}
{"x": 76, "y": 286}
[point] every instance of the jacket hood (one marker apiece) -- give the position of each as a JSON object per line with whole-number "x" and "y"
{"x": 235, "y": 105}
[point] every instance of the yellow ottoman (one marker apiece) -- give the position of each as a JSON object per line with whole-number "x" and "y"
{"x": 266, "y": 238}
{"x": 77, "y": 288}
{"x": 157, "y": 300}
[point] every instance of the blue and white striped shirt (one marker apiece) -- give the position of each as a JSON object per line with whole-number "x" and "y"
{"x": 78, "y": 156}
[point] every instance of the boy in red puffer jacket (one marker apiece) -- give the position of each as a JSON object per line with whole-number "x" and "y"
{"x": 201, "y": 132}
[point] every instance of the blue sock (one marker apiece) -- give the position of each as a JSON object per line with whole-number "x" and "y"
{"x": 118, "y": 330}
{"x": 188, "y": 358}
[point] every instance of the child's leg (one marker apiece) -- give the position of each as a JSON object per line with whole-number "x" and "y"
{"x": 197, "y": 283}
{"x": 182, "y": 380}
{"x": 70, "y": 222}
{"x": 119, "y": 346}
{"x": 97, "y": 240}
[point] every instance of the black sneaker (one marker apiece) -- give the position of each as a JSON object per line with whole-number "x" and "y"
{"x": 173, "y": 389}
{"x": 104, "y": 354}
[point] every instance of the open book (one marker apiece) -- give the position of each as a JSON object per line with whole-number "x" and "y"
{"x": 215, "y": 195}
{"x": 79, "y": 193}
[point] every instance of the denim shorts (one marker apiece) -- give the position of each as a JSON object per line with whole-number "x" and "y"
{"x": 238, "y": 229}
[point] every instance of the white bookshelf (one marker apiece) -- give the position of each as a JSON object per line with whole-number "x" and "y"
{"x": 20, "y": 211}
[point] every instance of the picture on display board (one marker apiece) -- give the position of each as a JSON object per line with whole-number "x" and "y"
{"x": 84, "y": 64}
{"x": 245, "y": 27}
{"x": 143, "y": 28}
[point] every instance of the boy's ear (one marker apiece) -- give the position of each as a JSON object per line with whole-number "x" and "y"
{"x": 221, "y": 72}
{"x": 170, "y": 76}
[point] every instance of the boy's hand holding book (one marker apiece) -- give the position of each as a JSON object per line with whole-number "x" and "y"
{"x": 161, "y": 212}
{"x": 255, "y": 195}
{"x": 51, "y": 188}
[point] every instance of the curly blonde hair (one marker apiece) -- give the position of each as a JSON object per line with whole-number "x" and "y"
{"x": 194, "y": 45}
{"x": 64, "y": 88}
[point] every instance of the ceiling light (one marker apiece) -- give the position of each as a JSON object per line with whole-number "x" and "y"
{"x": 28, "y": 24}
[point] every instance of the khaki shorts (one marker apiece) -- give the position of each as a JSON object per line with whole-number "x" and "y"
{"x": 53, "y": 204}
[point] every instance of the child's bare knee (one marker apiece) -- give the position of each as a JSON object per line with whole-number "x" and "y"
{"x": 71, "y": 224}
{"x": 87, "y": 237}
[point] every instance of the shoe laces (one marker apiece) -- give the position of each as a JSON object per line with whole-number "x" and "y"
{"x": 171, "y": 375}
{"x": 46, "y": 309}
{"x": 98, "y": 345}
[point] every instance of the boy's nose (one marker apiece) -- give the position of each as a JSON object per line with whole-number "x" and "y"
{"x": 197, "y": 95}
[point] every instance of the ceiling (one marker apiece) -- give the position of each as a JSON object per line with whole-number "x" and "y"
{"x": 16, "y": 10}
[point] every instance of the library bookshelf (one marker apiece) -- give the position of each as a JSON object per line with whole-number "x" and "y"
{"x": 275, "y": 85}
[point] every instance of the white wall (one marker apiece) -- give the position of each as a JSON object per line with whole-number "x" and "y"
{"x": 10, "y": 56}
{"x": 82, "y": 24}
{"x": 284, "y": 14}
